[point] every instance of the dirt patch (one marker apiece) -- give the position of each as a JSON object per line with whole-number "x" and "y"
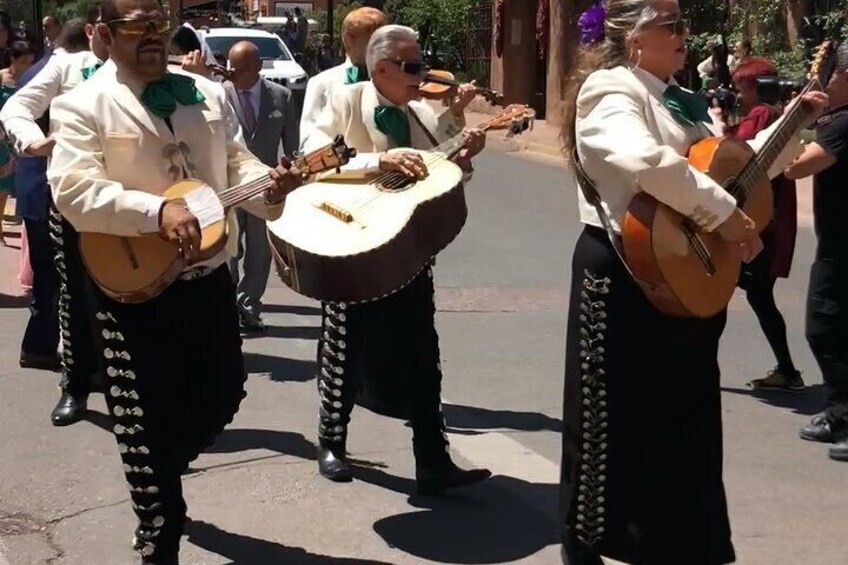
{"x": 20, "y": 524}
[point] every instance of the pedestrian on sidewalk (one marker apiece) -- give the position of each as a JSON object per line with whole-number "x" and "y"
{"x": 759, "y": 276}
{"x": 82, "y": 55}
{"x": 827, "y": 297}
{"x": 642, "y": 440}
{"x": 21, "y": 55}
{"x": 174, "y": 363}
{"x": 268, "y": 118}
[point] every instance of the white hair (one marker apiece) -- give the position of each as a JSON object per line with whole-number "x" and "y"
{"x": 383, "y": 44}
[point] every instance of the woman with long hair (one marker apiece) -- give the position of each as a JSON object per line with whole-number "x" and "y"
{"x": 642, "y": 443}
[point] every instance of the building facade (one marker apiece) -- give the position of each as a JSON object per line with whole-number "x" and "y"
{"x": 533, "y": 43}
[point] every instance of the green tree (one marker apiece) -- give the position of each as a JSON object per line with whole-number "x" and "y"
{"x": 66, "y": 10}
{"x": 442, "y": 25}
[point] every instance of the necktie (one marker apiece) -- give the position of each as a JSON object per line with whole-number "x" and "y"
{"x": 249, "y": 114}
{"x": 88, "y": 71}
{"x": 687, "y": 108}
{"x": 356, "y": 74}
{"x": 393, "y": 122}
{"x": 161, "y": 96}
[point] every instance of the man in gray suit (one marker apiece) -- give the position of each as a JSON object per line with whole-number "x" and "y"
{"x": 269, "y": 121}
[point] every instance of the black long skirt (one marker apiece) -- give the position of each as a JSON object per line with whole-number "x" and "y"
{"x": 642, "y": 442}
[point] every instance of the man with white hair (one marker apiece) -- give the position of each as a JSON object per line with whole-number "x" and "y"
{"x": 389, "y": 348}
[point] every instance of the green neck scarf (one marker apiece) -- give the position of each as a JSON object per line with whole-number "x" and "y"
{"x": 162, "y": 96}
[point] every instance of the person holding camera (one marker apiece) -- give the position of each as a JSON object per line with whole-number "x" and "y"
{"x": 757, "y": 111}
{"x": 827, "y": 298}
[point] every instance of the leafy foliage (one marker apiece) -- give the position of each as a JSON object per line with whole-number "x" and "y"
{"x": 442, "y": 25}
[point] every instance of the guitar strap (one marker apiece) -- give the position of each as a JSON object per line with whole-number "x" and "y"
{"x": 590, "y": 193}
{"x": 429, "y": 135}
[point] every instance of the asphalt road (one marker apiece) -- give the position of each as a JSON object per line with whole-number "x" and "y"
{"x": 256, "y": 498}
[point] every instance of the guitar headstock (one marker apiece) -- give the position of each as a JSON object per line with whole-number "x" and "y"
{"x": 515, "y": 118}
{"x": 824, "y": 64}
{"x": 333, "y": 156}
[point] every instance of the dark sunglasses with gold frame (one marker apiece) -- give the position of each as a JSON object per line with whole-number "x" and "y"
{"x": 136, "y": 26}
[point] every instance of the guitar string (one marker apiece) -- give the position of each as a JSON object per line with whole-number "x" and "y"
{"x": 393, "y": 180}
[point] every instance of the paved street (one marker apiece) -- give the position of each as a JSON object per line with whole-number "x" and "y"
{"x": 255, "y": 498}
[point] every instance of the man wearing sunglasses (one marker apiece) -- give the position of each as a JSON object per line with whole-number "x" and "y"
{"x": 173, "y": 364}
{"x": 59, "y": 74}
{"x": 388, "y": 348}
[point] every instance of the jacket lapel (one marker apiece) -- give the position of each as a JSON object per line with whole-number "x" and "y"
{"x": 368, "y": 104}
{"x": 266, "y": 106}
{"x": 131, "y": 105}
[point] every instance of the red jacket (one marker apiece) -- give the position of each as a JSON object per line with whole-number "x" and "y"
{"x": 779, "y": 237}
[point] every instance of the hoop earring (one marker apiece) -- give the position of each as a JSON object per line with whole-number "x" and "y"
{"x": 638, "y": 60}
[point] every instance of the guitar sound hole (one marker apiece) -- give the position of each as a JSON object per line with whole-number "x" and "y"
{"x": 396, "y": 183}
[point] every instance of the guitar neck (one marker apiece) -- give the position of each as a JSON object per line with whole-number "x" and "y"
{"x": 454, "y": 145}
{"x": 771, "y": 149}
{"x": 312, "y": 163}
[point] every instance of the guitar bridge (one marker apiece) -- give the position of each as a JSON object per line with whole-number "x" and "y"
{"x": 337, "y": 212}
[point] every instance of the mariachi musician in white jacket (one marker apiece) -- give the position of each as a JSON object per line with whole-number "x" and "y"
{"x": 390, "y": 344}
{"x": 174, "y": 364}
{"x": 357, "y": 28}
{"x": 642, "y": 457}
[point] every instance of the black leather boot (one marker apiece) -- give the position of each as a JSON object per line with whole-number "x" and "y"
{"x": 332, "y": 463}
{"x": 434, "y": 479}
{"x": 69, "y": 409}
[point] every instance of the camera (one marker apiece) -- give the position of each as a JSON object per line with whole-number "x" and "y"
{"x": 775, "y": 90}
{"x": 725, "y": 99}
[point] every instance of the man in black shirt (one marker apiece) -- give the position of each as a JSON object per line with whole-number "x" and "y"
{"x": 827, "y": 298}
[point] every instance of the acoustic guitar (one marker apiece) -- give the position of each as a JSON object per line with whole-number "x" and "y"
{"x": 683, "y": 270}
{"x": 358, "y": 241}
{"x": 136, "y": 269}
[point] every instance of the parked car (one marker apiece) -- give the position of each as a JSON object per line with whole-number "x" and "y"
{"x": 278, "y": 64}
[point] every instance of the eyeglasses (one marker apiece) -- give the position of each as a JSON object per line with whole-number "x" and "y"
{"x": 677, "y": 26}
{"x": 130, "y": 26}
{"x": 412, "y": 68}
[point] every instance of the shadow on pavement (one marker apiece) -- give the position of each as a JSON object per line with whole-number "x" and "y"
{"x": 291, "y": 309}
{"x": 807, "y": 403}
{"x": 246, "y": 550}
{"x": 281, "y": 369}
{"x": 293, "y": 332}
{"x": 9, "y": 301}
{"x": 501, "y": 520}
{"x": 286, "y": 443}
{"x": 99, "y": 419}
{"x": 459, "y": 417}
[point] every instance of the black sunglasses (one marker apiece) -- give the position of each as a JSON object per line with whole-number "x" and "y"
{"x": 415, "y": 68}
{"x": 677, "y": 26}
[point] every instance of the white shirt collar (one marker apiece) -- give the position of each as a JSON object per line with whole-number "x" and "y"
{"x": 655, "y": 85}
{"x": 254, "y": 90}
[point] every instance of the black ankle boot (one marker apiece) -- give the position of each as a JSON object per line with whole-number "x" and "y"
{"x": 69, "y": 409}
{"x": 434, "y": 479}
{"x": 332, "y": 463}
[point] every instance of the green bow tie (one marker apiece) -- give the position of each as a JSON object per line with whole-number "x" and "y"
{"x": 356, "y": 74}
{"x": 88, "y": 71}
{"x": 161, "y": 96}
{"x": 393, "y": 122}
{"x": 687, "y": 108}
